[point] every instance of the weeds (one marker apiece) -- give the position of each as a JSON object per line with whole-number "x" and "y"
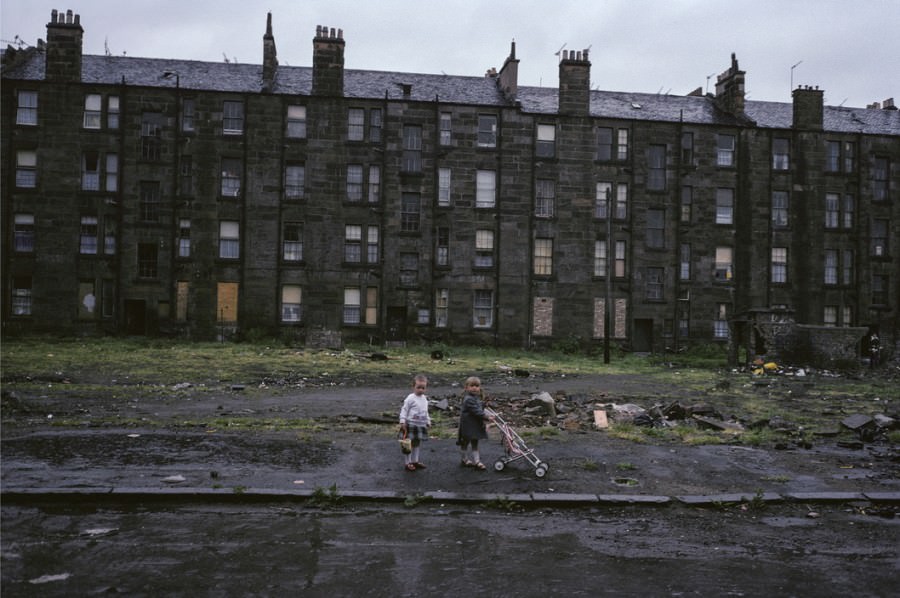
{"x": 326, "y": 498}
{"x": 503, "y": 503}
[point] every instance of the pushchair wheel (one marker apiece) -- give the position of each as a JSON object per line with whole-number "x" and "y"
{"x": 499, "y": 465}
{"x": 541, "y": 471}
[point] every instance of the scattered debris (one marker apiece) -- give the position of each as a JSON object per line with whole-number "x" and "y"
{"x": 174, "y": 479}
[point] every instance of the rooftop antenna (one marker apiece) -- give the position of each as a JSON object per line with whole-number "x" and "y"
{"x": 792, "y": 74}
{"x": 561, "y": 48}
{"x": 708, "y": 77}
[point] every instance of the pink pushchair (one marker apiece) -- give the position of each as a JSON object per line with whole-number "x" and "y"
{"x": 515, "y": 448}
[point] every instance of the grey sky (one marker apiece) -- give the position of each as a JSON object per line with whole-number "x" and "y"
{"x": 845, "y": 47}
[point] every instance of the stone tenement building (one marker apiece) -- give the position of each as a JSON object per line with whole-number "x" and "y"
{"x": 156, "y": 196}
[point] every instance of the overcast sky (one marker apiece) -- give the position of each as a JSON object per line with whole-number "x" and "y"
{"x": 848, "y": 48}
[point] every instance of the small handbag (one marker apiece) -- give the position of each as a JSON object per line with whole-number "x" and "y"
{"x": 405, "y": 445}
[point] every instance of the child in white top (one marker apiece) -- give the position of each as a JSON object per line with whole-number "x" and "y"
{"x": 415, "y": 421}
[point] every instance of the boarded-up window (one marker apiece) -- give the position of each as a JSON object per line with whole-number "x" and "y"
{"x": 618, "y": 318}
{"x": 181, "y": 300}
{"x": 543, "y": 316}
{"x": 372, "y": 306}
{"x": 227, "y": 302}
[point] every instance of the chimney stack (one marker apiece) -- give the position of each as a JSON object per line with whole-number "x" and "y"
{"x": 730, "y": 89}
{"x": 328, "y": 62}
{"x": 509, "y": 75}
{"x": 64, "y": 47}
{"x": 270, "y": 58}
{"x": 574, "y": 83}
{"x": 809, "y": 108}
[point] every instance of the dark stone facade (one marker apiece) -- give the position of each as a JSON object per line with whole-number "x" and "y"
{"x": 393, "y": 207}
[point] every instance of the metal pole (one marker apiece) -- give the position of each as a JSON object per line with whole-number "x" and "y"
{"x": 609, "y": 274}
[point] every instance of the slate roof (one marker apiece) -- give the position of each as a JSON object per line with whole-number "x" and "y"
{"x": 481, "y": 91}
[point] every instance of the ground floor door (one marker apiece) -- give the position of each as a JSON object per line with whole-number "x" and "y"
{"x": 643, "y": 336}
{"x": 136, "y": 317}
{"x": 396, "y": 323}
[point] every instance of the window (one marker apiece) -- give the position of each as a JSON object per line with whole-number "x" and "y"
{"x": 412, "y": 149}
{"x": 232, "y": 117}
{"x": 352, "y": 306}
{"x": 779, "y": 265}
{"x": 684, "y": 263}
{"x": 620, "y": 259}
{"x": 354, "y": 183}
{"x": 880, "y": 170}
{"x": 485, "y": 188}
{"x": 655, "y": 233}
{"x": 26, "y": 169}
{"x": 186, "y": 178}
{"x": 291, "y": 303}
{"x": 147, "y": 260}
{"x": 724, "y": 206}
{"x": 542, "y": 316}
{"x": 723, "y": 266}
{"x": 544, "y": 198}
{"x": 847, "y": 316}
{"x": 296, "y": 122}
{"x": 353, "y": 244}
{"x": 724, "y": 150}
{"x": 90, "y": 171}
{"x": 848, "y": 211}
{"x": 23, "y": 233}
{"x": 546, "y": 141}
{"x": 847, "y": 276}
{"x": 687, "y": 200}
{"x": 441, "y": 307}
{"x": 656, "y": 168}
{"x": 112, "y": 112}
{"x": 601, "y": 261}
{"x": 829, "y": 315}
{"x": 621, "y": 201}
{"x": 879, "y": 237}
{"x": 109, "y": 235}
{"x": 602, "y": 200}
{"x": 832, "y": 156}
{"x": 21, "y": 296}
{"x": 443, "y": 187}
{"x": 294, "y": 181}
{"x": 849, "y": 163}
{"x": 93, "y": 109}
{"x": 687, "y": 149}
{"x": 87, "y": 300}
{"x": 229, "y": 240}
{"x": 655, "y": 285}
{"x": 442, "y": 246}
{"x": 781, "y": 156}
{"x": 356, "y": 124}
{"x": 832, "y": 210}
{"x": 487, "y": 130}
{"x": 720, "y": 324}
{"x": 484, "y": 248}
{"x": 483, "y": 308}
{"x": 409, "y": 212}
{"x": 779, "y": 209}
{"x": 292, "y": 243}
{"x": 543, "y": 257}
{"x": 151, "y": 133}
{"x": 604, "y": 144}
{"x": 372, "y": 252}
{"x": 188, "y": 107}
{"x": 184, "y": 237}
{"x": 831, "y": 267}
{"x": 879, "y": 289}
{"x": 112, "y": 173}
{"x": 150, "y": 201}
{"x": 231, "y": 177}
{"x": 445, "y": 124}
{"x": 409, "y": 269}
{"x": 375, "y": 125}
{"x": 26, "y": 108}
{"x": 374, "y": 183}
{"x": 622, "y": 146}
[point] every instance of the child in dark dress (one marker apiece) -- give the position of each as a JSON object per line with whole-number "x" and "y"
{"x": 472, "y": 428}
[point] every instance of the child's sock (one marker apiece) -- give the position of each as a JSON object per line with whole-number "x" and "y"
{"x": 414, "y": 455}
{"x": 476, "y": 457}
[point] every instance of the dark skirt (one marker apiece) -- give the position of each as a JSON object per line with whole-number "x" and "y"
{"x": 416, "y": 432}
